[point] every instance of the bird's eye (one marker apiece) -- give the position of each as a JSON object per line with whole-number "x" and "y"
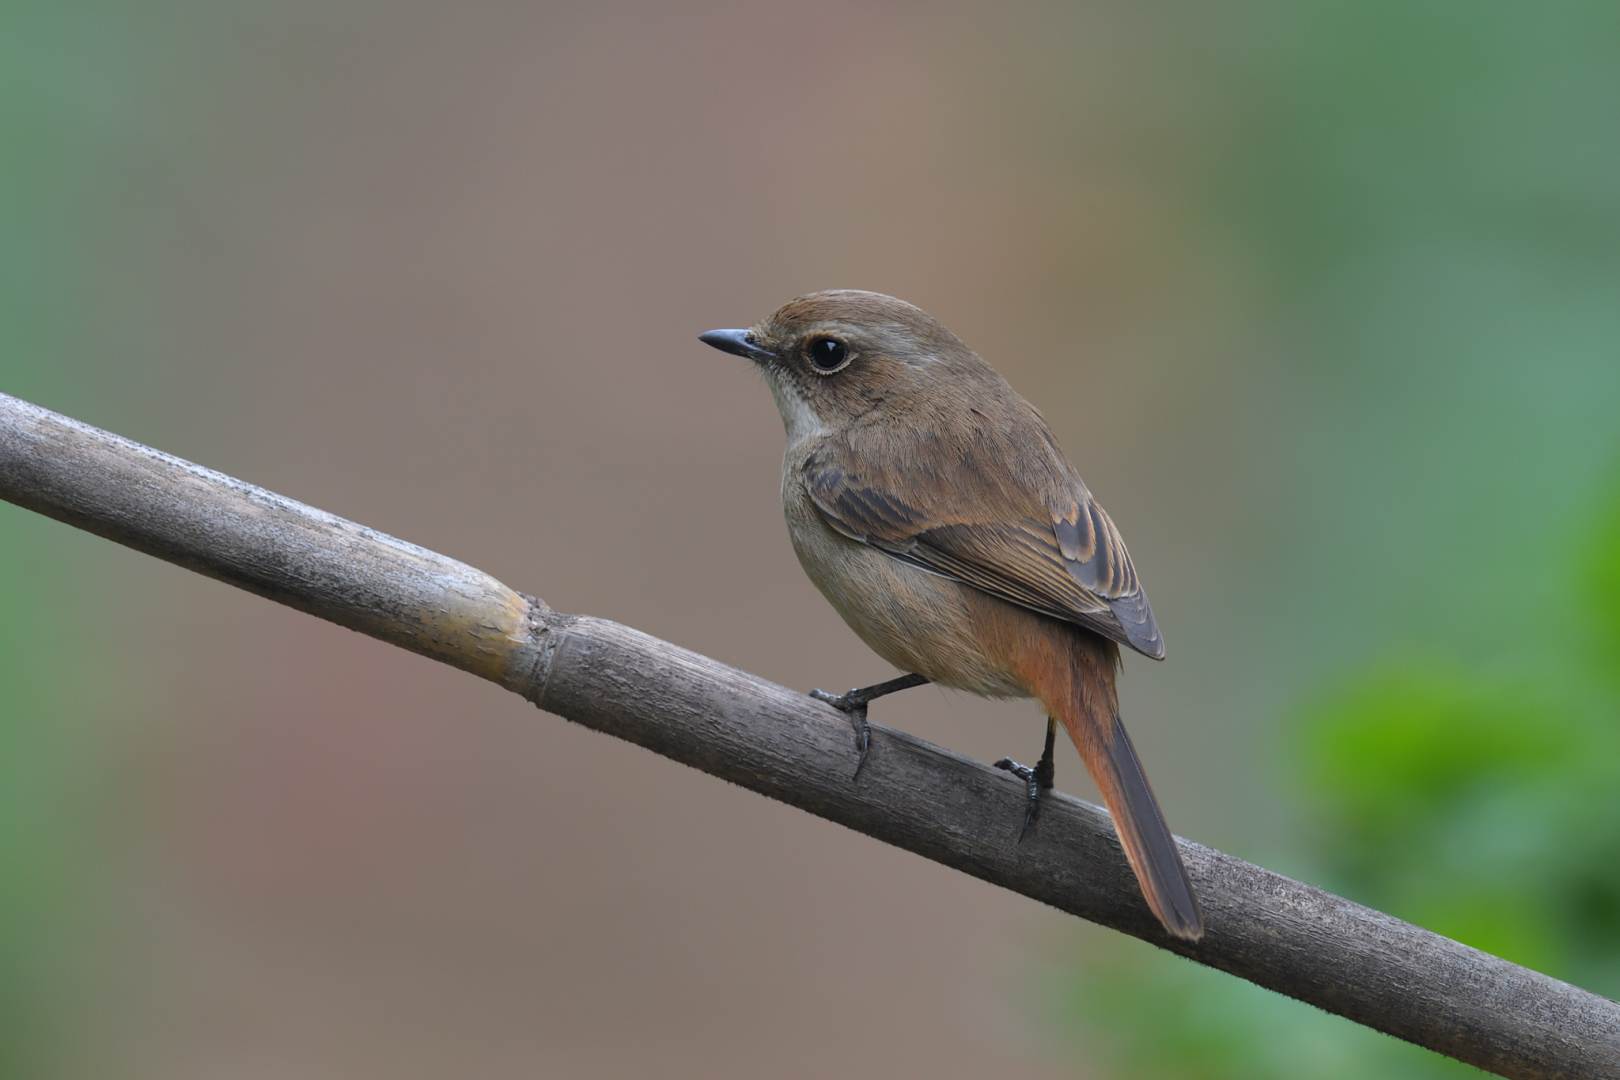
{"x": 828, "y": 355}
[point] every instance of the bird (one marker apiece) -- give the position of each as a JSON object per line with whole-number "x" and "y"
{"x": 932, "y": 506}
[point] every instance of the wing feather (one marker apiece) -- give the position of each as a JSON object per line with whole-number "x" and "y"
{"x": 1045, "y": 544}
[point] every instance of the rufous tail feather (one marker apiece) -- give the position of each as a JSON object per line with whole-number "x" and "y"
{"x": 1081, "y": 695}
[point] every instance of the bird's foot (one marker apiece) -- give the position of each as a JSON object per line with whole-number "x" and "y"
{"x": 1037, "y": 780}
{"x": 853, "y": 705}
{"x": 1032, "y": 805}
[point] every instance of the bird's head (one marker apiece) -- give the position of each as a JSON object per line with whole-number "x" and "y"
{"x": 839, "y": 357}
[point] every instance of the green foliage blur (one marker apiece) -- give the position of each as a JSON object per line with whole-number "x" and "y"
{"x": 1475, "y": 799}
{"x": 55, "y": 132}
{"x": 1437, "y": 190}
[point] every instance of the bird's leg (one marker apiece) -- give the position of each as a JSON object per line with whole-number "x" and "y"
{"x": 854, "y": 703}
{"x": 1039, "y": 778}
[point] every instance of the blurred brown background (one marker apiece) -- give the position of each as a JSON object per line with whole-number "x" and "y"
{"x": 439, "y": 269}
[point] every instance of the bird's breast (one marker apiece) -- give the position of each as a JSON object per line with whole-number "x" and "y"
{"x": 916, "y": 620}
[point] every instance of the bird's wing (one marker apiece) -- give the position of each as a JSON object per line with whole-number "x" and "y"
{"x": 1033, "y": 536}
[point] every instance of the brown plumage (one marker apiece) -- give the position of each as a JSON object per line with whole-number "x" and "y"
{"x": 931, "y": 505}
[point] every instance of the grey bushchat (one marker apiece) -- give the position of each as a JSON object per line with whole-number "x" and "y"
{"x": 931, "y": 505}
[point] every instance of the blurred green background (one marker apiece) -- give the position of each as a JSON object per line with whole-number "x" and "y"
{"x": 1323, "y": 299}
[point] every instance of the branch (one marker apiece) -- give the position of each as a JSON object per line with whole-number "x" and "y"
{"x": 1279, "y": 933}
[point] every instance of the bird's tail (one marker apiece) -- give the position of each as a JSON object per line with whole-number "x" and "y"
{"x": 1080, "y": 693}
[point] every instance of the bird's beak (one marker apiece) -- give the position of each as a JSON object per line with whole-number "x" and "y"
{"x": 737, "y": 343}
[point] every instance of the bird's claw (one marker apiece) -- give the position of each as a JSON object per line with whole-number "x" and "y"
{"x": 1032, "y": 805}
{"x": 853, "y": 705}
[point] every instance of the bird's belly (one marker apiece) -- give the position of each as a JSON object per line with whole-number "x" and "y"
{"x": 916, "y": 620}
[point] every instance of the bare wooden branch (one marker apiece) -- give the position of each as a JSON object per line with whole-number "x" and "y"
{"x": 1290, "y": 937}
